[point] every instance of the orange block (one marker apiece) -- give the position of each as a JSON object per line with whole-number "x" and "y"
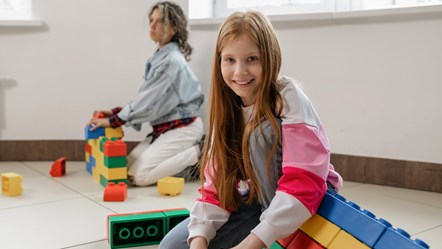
{"x": 58, "y": 167}
{"x": 286, "y": 241}
{"x": 302, "y": 241}
{"x": 115, "y": 192}
{"x": 115, "y": 148}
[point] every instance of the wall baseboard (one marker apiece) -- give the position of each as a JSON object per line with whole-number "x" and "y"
{"x": 389, "y": 172}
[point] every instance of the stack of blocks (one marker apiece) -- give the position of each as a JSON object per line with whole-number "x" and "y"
{"x": 106, "y": 155}
{"x": 140, "y": 229}
{"x": 341, "y": 224}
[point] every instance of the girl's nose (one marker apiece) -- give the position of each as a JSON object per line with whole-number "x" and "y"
{"x": 241, "y": 69}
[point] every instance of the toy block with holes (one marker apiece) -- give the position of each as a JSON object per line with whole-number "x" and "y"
{"x": 58, "y": 167}
{"x": 12, "y": 184}
{"x": 142, "y": 229}
{"x": 106, "y": 154}
{"x": 170, "y": 185}
{"x": 342, "y": 224}
{"x": 115, "y": 192}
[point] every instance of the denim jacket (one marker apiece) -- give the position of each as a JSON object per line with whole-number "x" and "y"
{"x": 170, "y": 91}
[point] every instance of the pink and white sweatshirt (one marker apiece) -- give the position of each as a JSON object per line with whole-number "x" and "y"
{"x": 305, "y": 165}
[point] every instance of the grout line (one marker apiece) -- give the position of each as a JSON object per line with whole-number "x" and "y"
{"x": 75, "y": 191}
{"x": 424, "y": 231}
{"x": 82, "y": 244}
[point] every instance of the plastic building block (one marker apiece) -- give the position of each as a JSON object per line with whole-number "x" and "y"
{"x": 170, "y": 185}
{"x": 301, "y": 240}
{"x": 398, "y": 238}
{"x": 114, "y": 132}
{"x": 99, "y": 115}
{"x": 139, "y": 229}
{"x": 115, "y": 192}
{"x": 115, "y": 148}
{"x": 58, "y": 167}
{"x": 104, "y": 181}
{"x": 11, "y": 184}
{"x": 286, "y": 241}
{"x": 99, "y": 132}
{"x": 363, "y": 225}
{"x": 320, "y": 229}
{"x": 174, "y": 217}
{"x": 344, "y": 240}
{"x": 276, "y": 245}
{"x": 136, "y": 229}
{"x": 115, "y": 162}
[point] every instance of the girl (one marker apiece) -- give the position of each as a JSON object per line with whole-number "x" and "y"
{"x": 267, "y": 164}
{"x": 170, "y": 99}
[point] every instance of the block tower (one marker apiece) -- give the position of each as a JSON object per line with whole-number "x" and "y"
{"x": 106, "y": 155}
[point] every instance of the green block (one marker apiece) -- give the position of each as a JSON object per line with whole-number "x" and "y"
{"x": 104, "y": 181}
{"x": 276, "y": 245}
{"x": 174, "y": 217}
{"x": 136, "y": 229}
{"x": 102, "y": 140}
{"x": 115, "y": 161}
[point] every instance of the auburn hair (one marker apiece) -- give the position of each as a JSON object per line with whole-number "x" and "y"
{"x": 227, "y": 147}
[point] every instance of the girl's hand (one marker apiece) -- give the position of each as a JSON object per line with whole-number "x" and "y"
{"x": 198, "y": 243}
{"x": 98, "y": 122}
{"x": 250, "y": 242}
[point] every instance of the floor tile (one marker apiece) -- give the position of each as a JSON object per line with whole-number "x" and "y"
{"x": 53, "y": 225}
{"x": 76, "y": 177}
{"x": 37, "y": 188}
{"x": 413, "y": 217}
{"x": 432, "y": 237}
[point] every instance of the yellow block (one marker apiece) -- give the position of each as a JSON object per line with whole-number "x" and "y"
{"x": 320, "y": 229}
{"x": 114, "y": 173}
{"x": 113, "y": 132}
{"x": 95, "y": 174}
{"x": 11, "y": 184}
{"x": 170, "y": 185}
{"x": 345, "y": 240}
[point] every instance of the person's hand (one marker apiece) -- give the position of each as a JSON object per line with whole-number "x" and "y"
{"x": 198, "y": 243}
{"x": 98, "y": 122}
{"x": 102, "y": 113}
{"x": 250, "y": 242}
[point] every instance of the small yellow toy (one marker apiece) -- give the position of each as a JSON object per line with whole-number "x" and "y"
{"x": 11, "y": 184}
{"x": 170, "y": 185}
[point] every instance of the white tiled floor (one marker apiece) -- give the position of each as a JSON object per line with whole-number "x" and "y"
{"x": 68, "y": 211}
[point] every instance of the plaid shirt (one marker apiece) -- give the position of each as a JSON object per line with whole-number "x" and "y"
{"x": 159, "y": 129}
{"x": 164, "y": 127}
{"x": 114, "y": 120}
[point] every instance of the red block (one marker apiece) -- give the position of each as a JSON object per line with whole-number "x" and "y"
{"x": 114, "y": 148}
{"x": 303, "y": 241}
{"x": 99, "y": 115}
{"x": 58, "y": 167}
{"x": 286, "y": 241}
{"x": 115, "y": 192}
{"x": 88, "y": 148}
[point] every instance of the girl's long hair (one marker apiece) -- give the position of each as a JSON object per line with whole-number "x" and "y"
{"x": 227, "y": 142}
{"x": 174, "y": 14}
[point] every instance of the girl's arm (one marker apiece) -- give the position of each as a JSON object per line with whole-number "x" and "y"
{"x": 207, "y": 216}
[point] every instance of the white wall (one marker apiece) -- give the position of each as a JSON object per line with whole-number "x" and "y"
{"x": 376, "y": 82}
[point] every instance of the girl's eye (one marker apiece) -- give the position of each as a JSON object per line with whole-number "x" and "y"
{"x": 252, "y": 58}
{"x": 230, "y": 60}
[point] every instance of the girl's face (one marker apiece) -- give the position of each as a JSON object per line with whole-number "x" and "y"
{"x": 241, "y": 68}
{"x": 160, "y": 32}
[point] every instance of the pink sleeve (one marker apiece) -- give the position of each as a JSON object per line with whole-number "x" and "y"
{"x": 305, "y": 166}
{"x": 210, "y": 193}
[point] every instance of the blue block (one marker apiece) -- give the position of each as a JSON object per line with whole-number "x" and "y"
{"x": 362, "y": 224}
{"x": 398, "y": 238}
{"x": 99, "y": 132}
